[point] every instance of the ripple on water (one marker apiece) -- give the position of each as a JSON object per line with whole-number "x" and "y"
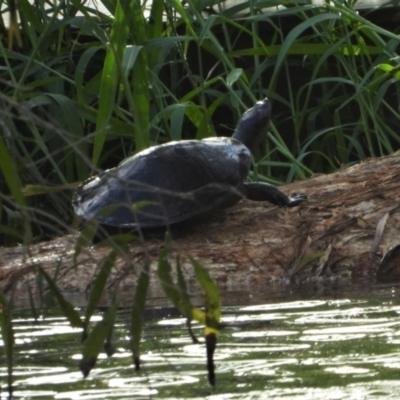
{"x": 317, "y": 349}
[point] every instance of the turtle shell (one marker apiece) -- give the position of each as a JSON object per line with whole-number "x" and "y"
{"x": 166, "y": 184}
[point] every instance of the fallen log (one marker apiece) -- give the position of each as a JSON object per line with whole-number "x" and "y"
{"x": 348, "y": 230}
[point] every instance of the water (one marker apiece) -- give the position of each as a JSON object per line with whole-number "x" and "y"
{"x": 344, "y": 345}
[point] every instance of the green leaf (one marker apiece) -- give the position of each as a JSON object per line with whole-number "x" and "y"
{"x": 168, "y": 42}
{"x": 10, "y": 173}
{"x": 213, "y": 314}
{"x": 95, "y": 342}
{"x": 88, "y": 24}
{"x": 34, "y": 190}
{"x": 233, "y": 76}
{"x": 130, "y": 56}
{"x": 98, "y": 286}
{"x": 140, "y": 103}
{"x": 177, "y": 119}
{"x": 294, "y": 34}
{"x": 66, "y": 307}
{"x": 138, "y": 307}
{"x": 307, "y": 49}
{"x": 390, "y": 70}
{"x": 186, "y": 306}
{"x": 206, "y": 29}
{"x": 154, "y": 29}
{"x": 85, "y": 238}
{"x": 184, "y": 301}
{"x": 165, "y": 277}
{"x": 110, "y": 78}
{"x": 82, "y": 68}
{"x": 7, "y": 333}
{"x": 177, "y": 295}
{"x": 212, "y": 298}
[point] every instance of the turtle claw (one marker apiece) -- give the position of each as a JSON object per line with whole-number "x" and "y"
{"x": 297, "y": 198}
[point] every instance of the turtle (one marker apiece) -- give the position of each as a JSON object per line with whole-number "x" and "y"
{"x": 181, "y": 180}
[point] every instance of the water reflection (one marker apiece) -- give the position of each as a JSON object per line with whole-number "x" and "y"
{"x": 342, "y": 348}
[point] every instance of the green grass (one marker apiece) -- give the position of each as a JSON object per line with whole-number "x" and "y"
{"x": 87, "y": 89}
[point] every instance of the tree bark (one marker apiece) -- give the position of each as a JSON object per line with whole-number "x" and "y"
{"x": 348, "y": 230}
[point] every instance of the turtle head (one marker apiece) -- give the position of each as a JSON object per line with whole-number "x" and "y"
{"x": 252, "y": 127}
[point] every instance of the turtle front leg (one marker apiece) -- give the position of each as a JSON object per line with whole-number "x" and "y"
{"x": 258, "y": 191}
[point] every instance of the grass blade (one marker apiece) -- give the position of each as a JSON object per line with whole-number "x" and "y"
{"x": 213, "y": 314}
{"x": 96, "y": 339}
{"x": 7, "y": 333}
{"x": 177, "y": 294}
{"x": 110, "y": 78}
{"x": 138, "y": 307}
{"x": 140, "y": 77}
{"x": 211, "y": 294}
{"x": 66, "y": 307}
{"x": 98, "y": 287}
{"x": 10, "y": 173}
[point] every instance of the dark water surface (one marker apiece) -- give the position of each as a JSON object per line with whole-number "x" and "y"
{"x": 319, "y": 343}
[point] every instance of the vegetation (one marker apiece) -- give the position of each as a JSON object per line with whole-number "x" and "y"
{"x": 90, "y": 86}
{"x": 84, "y": 87}
{"x": 97, "y": 338}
